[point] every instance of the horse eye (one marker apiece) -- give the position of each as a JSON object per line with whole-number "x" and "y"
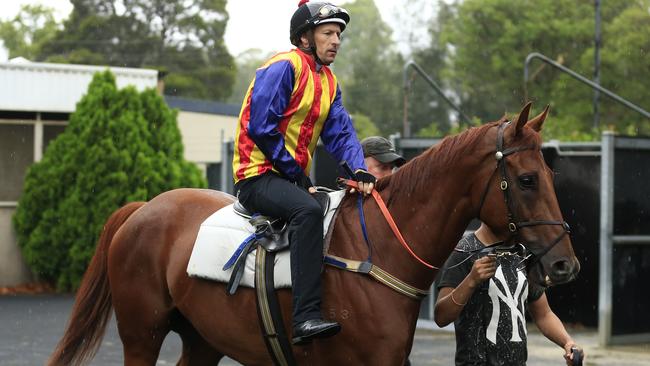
{"x": 528, "y": 181}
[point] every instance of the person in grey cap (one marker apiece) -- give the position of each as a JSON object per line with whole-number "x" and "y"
{"x": 380, "y": 156}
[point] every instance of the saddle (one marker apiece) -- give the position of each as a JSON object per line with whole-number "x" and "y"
{"x": 270, "y": 235}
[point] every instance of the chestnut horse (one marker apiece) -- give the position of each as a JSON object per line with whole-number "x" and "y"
{"x": 139, "y": 268}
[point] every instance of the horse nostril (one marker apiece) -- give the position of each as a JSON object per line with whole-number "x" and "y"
{"x": 561, "y": 267}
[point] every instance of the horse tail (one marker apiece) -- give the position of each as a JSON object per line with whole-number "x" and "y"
{"x": 93, "y": 306}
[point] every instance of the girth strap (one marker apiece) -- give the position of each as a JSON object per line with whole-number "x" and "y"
{"x": 377, "y": 273}
{"x": 269, "y": 312}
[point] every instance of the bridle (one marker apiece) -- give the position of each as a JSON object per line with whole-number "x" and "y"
{"x": 514, "y": 225}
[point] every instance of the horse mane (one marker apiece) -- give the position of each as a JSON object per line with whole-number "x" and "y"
{"x": 418, "y": 173}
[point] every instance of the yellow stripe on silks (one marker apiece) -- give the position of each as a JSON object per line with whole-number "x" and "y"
{"x": 256, "y": 160}
{"x": 235, "y": 160}
{"x": 335, "y": 86}
{"x": 325, "y": 104}
{"x": 295, "y": 123}
{"x": 296, "y": 61}
{"x": 290, "y": 56}
{"x": 263, "y": 303}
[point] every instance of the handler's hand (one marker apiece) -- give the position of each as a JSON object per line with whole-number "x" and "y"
{"x": 483, "y": 269}
{"x": 569, "y": 353}
{"x": 365, "y": 181}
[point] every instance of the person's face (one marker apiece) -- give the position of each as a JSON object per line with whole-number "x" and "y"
{"x": 377, "y": 168}
{"x": 327, "y": 38}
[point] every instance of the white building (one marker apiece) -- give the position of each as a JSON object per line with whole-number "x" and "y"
{"x": 36, "y": 100}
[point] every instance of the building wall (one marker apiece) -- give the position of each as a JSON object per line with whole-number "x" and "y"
{"x": 13, "y": 270}
{"x": 23, "y": 141}
{"x": 34, "y": 110}
{"x": 203, "y": 134}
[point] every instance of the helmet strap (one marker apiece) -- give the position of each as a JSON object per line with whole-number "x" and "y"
{"x": 312, "y": 47}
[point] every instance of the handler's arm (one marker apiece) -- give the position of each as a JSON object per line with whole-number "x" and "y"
{"x": 550, "y": 325}
{"x": 452, "y": 300}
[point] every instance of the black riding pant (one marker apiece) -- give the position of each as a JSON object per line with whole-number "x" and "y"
{"x": 271, "y": 195}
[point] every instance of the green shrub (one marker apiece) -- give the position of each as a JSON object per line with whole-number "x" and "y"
{"x": 119, "y": 146}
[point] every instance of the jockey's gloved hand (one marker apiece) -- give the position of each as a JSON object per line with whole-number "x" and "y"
{"x": 361, "y": 175}
{"x": 365, "y": 180}
{"x": 304, "y": 182}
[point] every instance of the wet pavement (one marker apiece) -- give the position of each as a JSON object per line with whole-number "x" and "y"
{"x": 30, "y": 326}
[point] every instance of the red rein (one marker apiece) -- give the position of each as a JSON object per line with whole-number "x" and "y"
{"x": 391, "y": 223}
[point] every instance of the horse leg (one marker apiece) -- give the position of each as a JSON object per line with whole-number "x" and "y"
{"x": 142, "y": 330}
{"x": 196, "y": 351}
{"x": 143, "y": 309}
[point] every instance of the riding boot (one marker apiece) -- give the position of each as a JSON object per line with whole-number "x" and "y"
{"x": 304, "y": 332}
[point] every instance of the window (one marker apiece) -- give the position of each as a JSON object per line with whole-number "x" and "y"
{"x": 50, "y": 132}
{"x": 17, "y": 152}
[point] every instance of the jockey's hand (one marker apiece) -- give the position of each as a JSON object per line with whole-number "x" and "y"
{"x": 306, "y": 183}
{"x": 483, "y": 269}
{"x": 365, "y": 181}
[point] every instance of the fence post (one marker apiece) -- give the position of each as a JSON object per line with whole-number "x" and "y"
{"x": 606, "y": 232}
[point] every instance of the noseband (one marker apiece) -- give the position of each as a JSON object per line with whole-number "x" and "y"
{"x": 515, "y": 225}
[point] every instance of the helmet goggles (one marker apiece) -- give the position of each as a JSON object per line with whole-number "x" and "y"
{"x": 329, "y": 13}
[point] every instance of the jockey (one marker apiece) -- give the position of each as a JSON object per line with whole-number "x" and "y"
{"x": 293, "y": 100}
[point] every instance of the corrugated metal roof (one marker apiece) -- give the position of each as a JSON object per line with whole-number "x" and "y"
{"x": 48, "y": 87}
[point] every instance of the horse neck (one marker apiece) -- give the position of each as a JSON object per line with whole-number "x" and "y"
{"x": 431, "y": 203}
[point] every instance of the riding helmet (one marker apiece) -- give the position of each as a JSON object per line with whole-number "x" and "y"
{"x": 311, "y": 14}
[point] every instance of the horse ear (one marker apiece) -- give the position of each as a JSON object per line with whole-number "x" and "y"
{"x": 537, "y": 121}
{"x": 522, "y": 118}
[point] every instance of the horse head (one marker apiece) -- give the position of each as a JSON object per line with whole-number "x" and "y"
{"x": 519, "y": 201}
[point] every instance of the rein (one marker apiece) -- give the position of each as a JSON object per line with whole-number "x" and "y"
{"x": 391, "y": 223}
{"x": 367, "y": 267}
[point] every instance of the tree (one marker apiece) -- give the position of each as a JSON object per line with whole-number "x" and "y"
{"x": 369, "y": 68}
{"x": 180, "y": 37}
{"x": 490, "y": 39}
{"x": 25, "y": 34}
{"x": 119, "y": 146}
{"x": 364, "y": 126}
{"x": 624, "y": 69}
{"x": 247, "y": 63}
{"x": 425, "y": 106}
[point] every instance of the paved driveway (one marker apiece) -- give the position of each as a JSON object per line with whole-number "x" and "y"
{"x": 30, "y": 326}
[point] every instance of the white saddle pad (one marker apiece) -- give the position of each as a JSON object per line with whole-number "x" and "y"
{"x": 222, "y": 233}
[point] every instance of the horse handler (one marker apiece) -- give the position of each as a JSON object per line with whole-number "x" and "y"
{"x": 380, "y": 156}
{"x": 486, "y": 296}
{"x": 293, "y": 100}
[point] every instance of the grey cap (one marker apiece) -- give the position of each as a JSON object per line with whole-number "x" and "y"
{"x": 382, "y": 150}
